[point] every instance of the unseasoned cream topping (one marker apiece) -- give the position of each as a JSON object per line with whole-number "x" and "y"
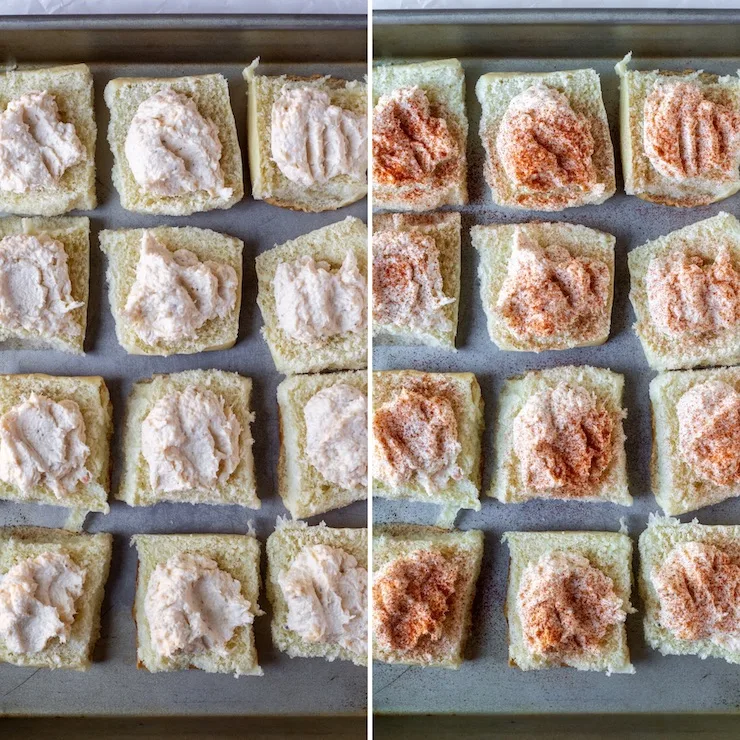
{"x": 35, "y": 289}
{"x": 567, "y": 606}
{"x": 314, "y": 302}
{"x": 709, "y": 430}
{"x": 172, "y": 149}
{"x": 38, "y": 601}
{"x": 336, "y": 434}
{"x": 326, "y": 593}
{"x": 42, "y": 443}
{"x": 190, "y": 439}
{"x": 314, "y": 141}
{"x": 175, "y": 293}
{"x": 36, "y": 147}
{"x": 193, "y": 606}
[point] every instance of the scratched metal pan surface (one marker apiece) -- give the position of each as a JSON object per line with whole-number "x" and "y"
{"x": 489, "y": 42}
{"x": 114, "y": 686}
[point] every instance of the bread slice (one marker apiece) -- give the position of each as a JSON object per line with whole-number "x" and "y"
{"x": 329, "y": 244}
{"x": 89, "y": 551}
{"x": 268, "y": 182}
{"x": 444, "y": 229}
{"x": 304, "y": 490}
{"x": 72, "y": 88}
{"x": 210, "y": 93}
{"x": 611, "y": 553}
{"x": 135, "y": 488}
{"x": 582, "y": 88}
{"x": 676, "y": 486}
{"x": 123, "y": 247}
{"x": 640, "y": 176}
{"x": 655, "y": 544}
{"x": 507, "y": 485}
{"x": 283, "y": 547}
{"x": 394, "y": 541}
{"x": 703, "y": 239}
{"x": 495, "y": 246}
{"x": 464, "y": 392}
{"x": 443, "y": 82}
{"x": 239, "y": 556}
{"x": 74, "y": 235}
{"x": 91, "y": 395}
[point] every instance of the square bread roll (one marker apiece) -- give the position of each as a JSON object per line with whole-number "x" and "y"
{"x": 496, "y": 246}
{"x": 609, "y": 552}
{"x": 239, "y": 556}
{"x": 703, "y": 239}
{"x": 443, "y": 229}
{"x": 607, "y": 387}
{"x": 446, "y": 183}
{"x": 393, "y": 543}
{"x": 589, "y": 178}
{"x": 72, "y": 88}
{"x": 240, "y": 488}
{"x": 74, "y": 235}
{"x": 302, "y": 487}
{"x": 210, "y": 93}
{"x": 283, "y": 546}
{"x": 91, "y": 552}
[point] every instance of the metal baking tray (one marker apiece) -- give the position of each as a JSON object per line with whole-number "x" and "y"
{"x": 485, "y": 685}
{"x": 173, "y": 47}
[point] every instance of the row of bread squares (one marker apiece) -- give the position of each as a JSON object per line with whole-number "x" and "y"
{"x": 175, "y": 144}
{"x": 546, "y": 137}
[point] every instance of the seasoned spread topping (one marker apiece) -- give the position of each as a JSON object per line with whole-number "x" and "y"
{"x": 326, "y": 593}
{"x": 36, "y": 148}
{"x": 42, "y": 443}
{"x": 567, "y": 606}
{"x": 708, "y": 431}
{"x": 190, "y": 439}
{"x": 314, "y": 303}
{"x": 412, "y": 596}
{"x": 688, "y": 136}
{"x": 175, "y": 293}
{"x": 37, "y": 601}
{"x": 336, "y": 434}
{"x": 193, "y": 606}
{"x": 563, "y": 439}
{"x": 35, "y": 289}
{"x": 313, "y": 141}
{"x": 172, "y": 149}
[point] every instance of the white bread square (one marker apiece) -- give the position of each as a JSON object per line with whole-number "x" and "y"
{"x": 210, "y": 93}
{"x": 304, "y": 490}
{"x": 72, "y": 88}
{"x": 123, "y": 248}
{"x": 268, "y": 182}
{"x": 676, "y": 486}
{"x": 91, "y": 395}
{"x": 74, "y": 234}
{"x": 394, "y": 541}
{"x": 495, "y": 245}
{"x": 704, "y": 239}
{"x": 329, "y": 244}
{"x": 283, "y": 547}
{"x": 239, "y": 556}
{"x": 89, "y": 551}
{"x": 236, "y": 390}
{"x": 444, "y": 228}
{"x": 609, "y": 552}
{"x": 608, "y": 387}
{"x": 444, "y": 84}
{"x": 582, "y": 87}
{"x": 655, "y": 545}
{"x": 468, "y": 407}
